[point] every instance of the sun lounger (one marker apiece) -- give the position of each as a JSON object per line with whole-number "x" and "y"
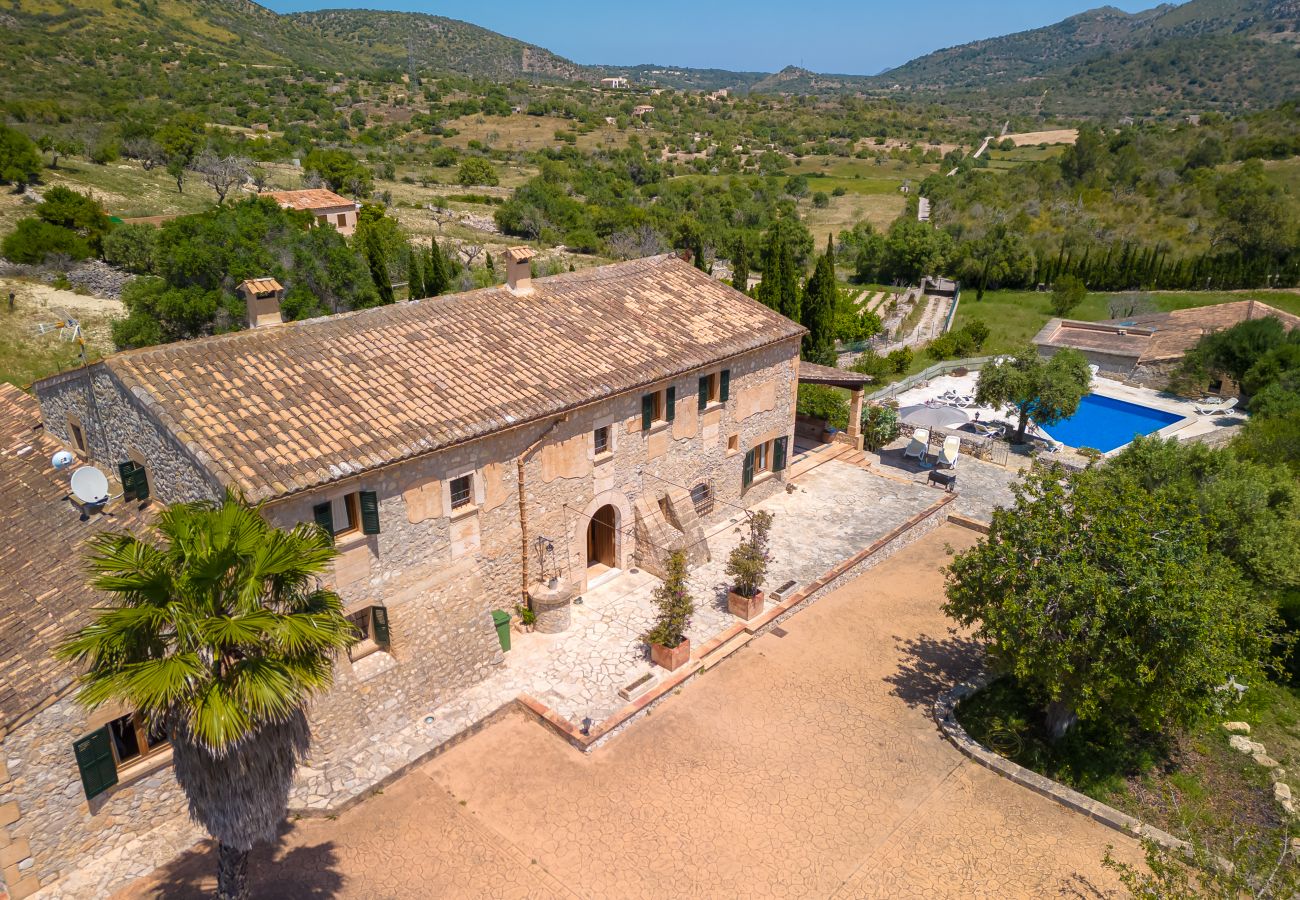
{"x": 1094, "y": 369}
{"x": 1214, "y": 409}
{"x": 990, "y": 431}
{"x": 951, "y": 450}
{"x": 920, "y": 441}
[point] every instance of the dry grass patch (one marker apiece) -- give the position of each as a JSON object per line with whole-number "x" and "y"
{"x": 523, "y": 132}
{"x": 25, "y": 355}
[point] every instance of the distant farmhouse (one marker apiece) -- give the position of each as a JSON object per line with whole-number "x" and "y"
{"x": 1146, "y": 349}
{"x": 617, "y": 83}
{"x": 326, "y": 206}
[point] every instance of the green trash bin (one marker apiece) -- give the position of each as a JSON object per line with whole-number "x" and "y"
{"x": 501, "y": 619}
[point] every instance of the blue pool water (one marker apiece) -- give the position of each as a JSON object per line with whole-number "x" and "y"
{"x": 1106, "y": 423}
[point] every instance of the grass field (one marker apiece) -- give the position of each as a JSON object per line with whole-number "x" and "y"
{"x": 1014, "y": 317}
{"x": 1008, "y": 159}
{"x": 858, "y": 176}
{"x": 528, "y": 133}
{"x": 25, "y": 355}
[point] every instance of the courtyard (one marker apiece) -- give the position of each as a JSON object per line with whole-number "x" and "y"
{"x": 805, "y": 765}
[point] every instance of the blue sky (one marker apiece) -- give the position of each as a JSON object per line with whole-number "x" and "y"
{"x": 845, "y": 36}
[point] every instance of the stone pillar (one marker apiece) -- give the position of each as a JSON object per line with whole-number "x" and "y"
{"x": 855, "y": 417}
{"x": 551, "y": 603}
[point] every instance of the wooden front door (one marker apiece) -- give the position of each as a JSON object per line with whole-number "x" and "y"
{"x": 601, "y": 534}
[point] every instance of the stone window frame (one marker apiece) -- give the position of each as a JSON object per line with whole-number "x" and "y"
{"x": 78, "y": 430}
{"x": 136, "y": 767}
{"x": 714, "y": 398}
{"x": 366, "y": 645}
{"x": 660, "y": 417}
{"x": 476, "y": 493}
{"x": 733, "y": 444}
{"x": 611, "y": 441}
{"x": 346, "y": 508}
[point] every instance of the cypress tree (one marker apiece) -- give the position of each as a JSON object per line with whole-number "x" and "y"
{"x": 414, "y": 277}
{"x": 740, "y": 266}
{"x": 819, "y": 311}
{"x": 697, "y": 250}
{"x": 379, "y": 272}
{"x": 768, "y": 291}
{"x": 436, "y": 278}
{"x": 789, "y": 296}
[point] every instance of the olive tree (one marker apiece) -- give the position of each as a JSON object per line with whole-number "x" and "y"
{"x": 1049, "y": 389}
{"x": 1106, "y": 601}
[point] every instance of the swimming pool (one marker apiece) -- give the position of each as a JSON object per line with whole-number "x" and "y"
{"x": 1105, "y": 423}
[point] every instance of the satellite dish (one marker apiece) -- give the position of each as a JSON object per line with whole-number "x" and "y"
{"x": 62, "y": 459}
{"x": 90, "y": 486}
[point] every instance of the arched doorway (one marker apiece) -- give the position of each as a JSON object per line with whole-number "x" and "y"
{"x": 602, "y": 541}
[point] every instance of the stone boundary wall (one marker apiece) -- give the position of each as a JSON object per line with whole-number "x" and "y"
{"x": 945, "y": 715}
{"x": 739, "y": 635}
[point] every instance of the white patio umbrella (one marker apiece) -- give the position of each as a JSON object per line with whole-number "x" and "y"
{"x": 933, "y": 416}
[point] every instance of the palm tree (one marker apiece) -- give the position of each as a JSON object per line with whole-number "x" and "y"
{"x": 221, "y": 633}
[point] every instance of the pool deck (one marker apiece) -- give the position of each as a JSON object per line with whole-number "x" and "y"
{"x": 1189, "y": 427}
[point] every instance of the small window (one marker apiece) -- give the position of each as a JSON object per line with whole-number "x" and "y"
{"x": 78, "y": 438}
{"x": 342, "y": 219}
{"x": 710, "y": 390}
{"x": 323, "y": 220}
{"x": 733, "y": 443}
{"x": 347, "y": 515}
{"x": 762, "y": 457}
{"x": 600, "y": 440}
{"x": 659, "y": 407}
{"x": 702, "y": 499}
{"x": 371, "y": 627}
{"x": 134, "y": 739}
{"x": 462, "y": 491}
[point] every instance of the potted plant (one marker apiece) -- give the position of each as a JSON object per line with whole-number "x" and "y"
{"x": 669, "y": 646}
{"x": 747, "y": 567}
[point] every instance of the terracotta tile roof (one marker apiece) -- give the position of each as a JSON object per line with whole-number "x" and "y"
{"x": 43, "y": 590}
{"x": 1178, "y": 331}
{"x": 284, "y": 409}
{"x": 1157, "y": 337}
{"x": 313, "y": 198}
{"x": 812, "y": 373}
{"x": 261, "y": 285}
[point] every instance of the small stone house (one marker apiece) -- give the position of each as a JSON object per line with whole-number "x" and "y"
{"x": 327, "y": 207}
{"x": 466, "y": 451}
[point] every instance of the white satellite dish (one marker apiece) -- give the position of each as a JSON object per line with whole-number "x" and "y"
{"x": 62, "y": 459}
{"x": 90, "y": 486}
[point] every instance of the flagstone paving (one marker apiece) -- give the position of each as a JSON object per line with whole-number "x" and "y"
{"x": 805, "y": 765}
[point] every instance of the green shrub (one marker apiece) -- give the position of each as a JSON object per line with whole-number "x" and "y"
{"x": 477, "y": 171}
{"x": 879, "y": 426}
{"x": 33, "y": 240}
{"x": 20, "y": 163}
{"x": 840, "y": 191}
{"x": 748, "y": 562}
{"x": 131, "y": 247}
{"x": 821, "y": 200}
{"x": 965, "y": 341}
{"x": 822, "y": 402}
{"x": 900, "y": 360}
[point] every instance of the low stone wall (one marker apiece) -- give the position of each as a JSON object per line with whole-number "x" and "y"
{"x": 945, "y": 714}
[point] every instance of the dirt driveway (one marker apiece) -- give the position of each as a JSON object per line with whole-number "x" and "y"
{"x": 807, "y": 765}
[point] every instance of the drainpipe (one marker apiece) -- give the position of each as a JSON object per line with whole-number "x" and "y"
{"x": 523, "y": 511}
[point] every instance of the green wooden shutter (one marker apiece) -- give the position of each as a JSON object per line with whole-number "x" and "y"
{"x": 747, "y": 475}
{"x": 324, "y": 517}
{"x": 647, "y": 411}
{"x": 670, "y": 402}
{"x": 369, "y": 512}
{"x": 724, "y": 389}
{"x": 704, "y": 392}
{"x": 135, "y": 483}
{"x": 778, "y": 453}
{"x": 379, "y": 625}
{"x": 94, "y": 754}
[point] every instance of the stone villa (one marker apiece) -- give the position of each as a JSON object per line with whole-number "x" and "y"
{"x": 468, "y": 452}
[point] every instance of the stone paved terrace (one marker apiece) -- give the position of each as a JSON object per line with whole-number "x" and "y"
{"x": 805, "y": 765}
{"x": 831, "y": 513}
{"x": 980, "y": 485}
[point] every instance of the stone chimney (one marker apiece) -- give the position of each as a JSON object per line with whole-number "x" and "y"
{"x": 262, "y": 296}
{"x": 519, "y": 272}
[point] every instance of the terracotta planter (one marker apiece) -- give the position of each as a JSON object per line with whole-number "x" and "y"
{"x": 744, "y": 607}
{"x": 671, "y": 658}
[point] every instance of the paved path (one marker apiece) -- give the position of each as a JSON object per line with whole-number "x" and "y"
{"x": 805, "y": 766}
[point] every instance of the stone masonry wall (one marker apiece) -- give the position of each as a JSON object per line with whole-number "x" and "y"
{"x": 439, "y": 574}
{"x": 127, "y": 432}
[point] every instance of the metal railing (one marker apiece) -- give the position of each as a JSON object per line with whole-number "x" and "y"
{"x": 940, "y": 368}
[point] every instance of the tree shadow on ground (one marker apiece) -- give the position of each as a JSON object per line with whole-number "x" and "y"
{"x": 309, "y": 872}
{"x": 928, "y": 666}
